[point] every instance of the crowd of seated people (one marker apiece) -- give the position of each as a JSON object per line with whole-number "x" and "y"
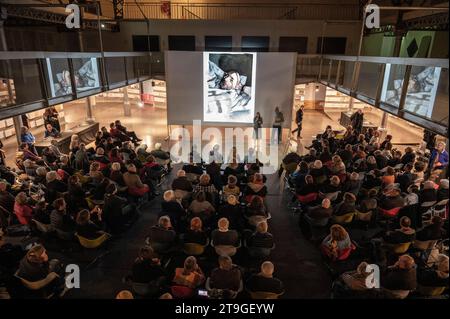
{"x": 88, "y": 195}
{"x": 218, "y": 219}
{"x": 362, "y": 200}
{"x": 397, "y": 200}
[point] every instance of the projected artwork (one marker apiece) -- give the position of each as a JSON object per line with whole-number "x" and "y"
{"x": 229, "y": 87}
{"x": 420, "y": 93}
{"x": 86, "y": 74}
{"x": 59, "y": 79}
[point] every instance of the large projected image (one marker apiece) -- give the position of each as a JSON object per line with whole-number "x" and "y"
{"x": 229, "y": 87}
{"x": 421, "y": 90}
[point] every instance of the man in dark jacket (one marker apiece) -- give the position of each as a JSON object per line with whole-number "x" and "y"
{"x": 264, "y": 281}
{"x": 392, "y": 199}
{"x": 227, "y": 276}
{"x": 147, "y": 268}
{"x": 400, "y": 277}
{"x": 116, "y": 210}
{"x": 320, "y": 213}
{"x": 298, "y": 121}
{"x": 357, "y": 119}
{"x": 162, "y": 234}
{"x": 181, "y": 182}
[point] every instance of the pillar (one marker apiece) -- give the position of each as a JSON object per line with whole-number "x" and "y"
{"x": 90, "y": 102}
{"x": 126, "y": 103}
{"x": 350, "y": 104}
{"x": 383, "y": 125}
{"x": 17, "y": 127}
{"x": 3, "y": 44}
{"x": 80, "y": 41}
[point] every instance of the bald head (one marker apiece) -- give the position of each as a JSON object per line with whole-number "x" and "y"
{"x": 326, "y": 203}
{"x": 267, "y": 269}
{"x": 181, "y": 173}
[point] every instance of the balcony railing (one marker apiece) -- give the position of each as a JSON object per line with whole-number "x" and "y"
{"x": 232, "y": 11}
{"x": 410, "y": 88}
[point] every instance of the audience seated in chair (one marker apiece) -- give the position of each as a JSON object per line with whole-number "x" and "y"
{"x": 264, "y": 282}
{"x": 39, "y": 272}
{"x": 172, "y": 207}
{"x": 162, "y": 237}
{"x": 87, "y": 228}
{"x": 400, "y": 278}
{"x": 319, "y": 215}
{"x": 190, "y": 276}
{"x": 117, "y": 212}
{"x": 147, "y": 269}
{"x": 227, "y": 277}
{"x": 260, "y": 242}
{"x": 225, "y": 241}
{"x": 195, "y": 233}
{"x": 337, "y": 245}
{"x": 404, "y": 234}
{"x": 59, "y": 219}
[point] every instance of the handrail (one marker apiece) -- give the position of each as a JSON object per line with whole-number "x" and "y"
{"x": 443, "y": 63}
{"x": 23, "y": 55}
{"x": 433, "y": 62}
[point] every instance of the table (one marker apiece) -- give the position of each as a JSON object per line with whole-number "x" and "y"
{"x": 346, "y": 121}
{"x": 86, "y": 133}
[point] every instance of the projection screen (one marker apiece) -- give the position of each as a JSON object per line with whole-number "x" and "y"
{"x": 228, "y": 88}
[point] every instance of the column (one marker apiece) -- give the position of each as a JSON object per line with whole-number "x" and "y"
{"x": 383, "y": 125}
{"x": 90, "y": 102}
{"x": 126, "y": 103}
{"x": 80, "y": 41}
{"x": 17, "y": 127}
{"x": 350, "y": 104}
{"x": 3, "y": 44}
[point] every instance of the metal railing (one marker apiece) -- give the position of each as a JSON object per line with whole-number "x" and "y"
{"x": 232, "y": 11}
{"x": 377, "y": 81}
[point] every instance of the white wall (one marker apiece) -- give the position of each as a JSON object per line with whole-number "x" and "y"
{"x": 237, "y": 28}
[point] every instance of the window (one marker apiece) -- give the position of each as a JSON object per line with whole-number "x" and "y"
{"x": 218, "y": 43}
{"x": 141, "y": 42}
{"x": 293, "y": 44}
{"x": 182, "y": 42}
{"x": 331, "y": 45}
{"x": 255, "y": 44}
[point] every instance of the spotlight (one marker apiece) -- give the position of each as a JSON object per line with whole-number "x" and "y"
{"x": 103, "y": 26}
{"x": 317, "y": 88}
{"x": 140, "y": 104}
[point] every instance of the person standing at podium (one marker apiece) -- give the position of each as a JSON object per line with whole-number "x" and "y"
{"x": 357, "y": 119}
